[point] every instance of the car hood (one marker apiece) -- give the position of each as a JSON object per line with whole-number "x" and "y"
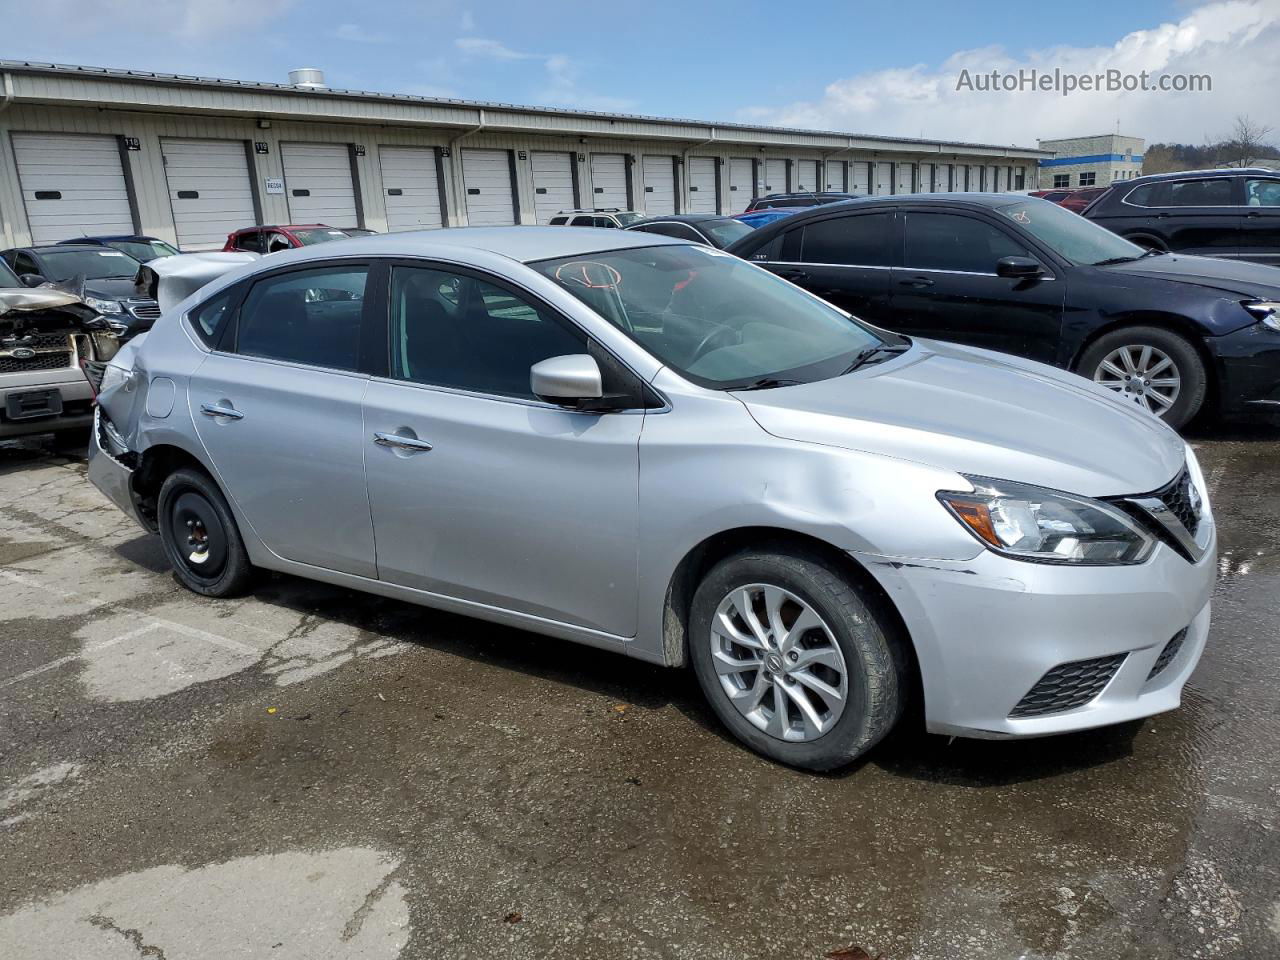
{"x": 1232, "y": 277}
{"x": 111, "y": 288}
{"x": 981, "y": 413}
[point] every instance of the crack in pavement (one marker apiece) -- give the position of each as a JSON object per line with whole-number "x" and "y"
{"x": 130, "y": 934}
{"x": 352, "y": 927}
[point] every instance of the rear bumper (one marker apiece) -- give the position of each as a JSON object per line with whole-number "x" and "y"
{"x": 77, "y": 401}
{"x": 988, "y": 630}
{"x": 111, "y": 471}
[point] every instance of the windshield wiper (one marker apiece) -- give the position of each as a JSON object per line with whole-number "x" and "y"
{"x": 879, "y": 352}
{"x": 1111, "y": 260}
{"x": 766, "y": 383}
{"x": 1153, "y": 252}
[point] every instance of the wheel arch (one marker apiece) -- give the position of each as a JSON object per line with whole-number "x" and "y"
{"x": 699, "y": 560}
{"x": 154, "y": 465}
{"x": 1174, "y": 323}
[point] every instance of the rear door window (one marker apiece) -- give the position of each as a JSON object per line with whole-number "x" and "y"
{"x": 250, "y": 241}
{"x": 306, "y": 316}
{"x": 1199, "y": 193}
{"x": 865, "y": 240}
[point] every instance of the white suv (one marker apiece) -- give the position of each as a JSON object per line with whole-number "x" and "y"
{"x": 599, "y": 217}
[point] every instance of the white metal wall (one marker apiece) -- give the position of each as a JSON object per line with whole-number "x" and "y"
{"x": 317, "y": 182}
{"x": 411, "y": 186}
{"x": 552, "y": 183}
{"x": 658, "y": 172}
{"x": 210, "y": 192}
{"x": 72, "y": 186}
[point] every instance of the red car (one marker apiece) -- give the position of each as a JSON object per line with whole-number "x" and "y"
{"x": 282, "y": 237}
{"x": 1074, "y": 200}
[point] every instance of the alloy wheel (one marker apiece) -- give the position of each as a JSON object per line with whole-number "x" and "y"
{"x": 778, "y": 662}
{"x": 1143, "y": 374}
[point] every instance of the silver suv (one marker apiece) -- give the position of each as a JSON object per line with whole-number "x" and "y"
{"x": 607, "y": 217}
{"x": 656, "y": 448}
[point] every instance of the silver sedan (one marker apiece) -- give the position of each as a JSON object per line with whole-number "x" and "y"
{"x": 655, "y": 448}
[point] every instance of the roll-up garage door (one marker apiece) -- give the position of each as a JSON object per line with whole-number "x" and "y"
{"x": 741, "y": 190}
{"x": 807, "y": 175}
{"x": 861, "y": 176}
{"x": 659, "y": 185}
{"x": 486, "y": 178}
{"x": 411, "y": 183}
{"x": 928, "y": 178}
{"x": 72, "y": 185}
{"x": 702, "y": 185}
{"x": 905, "y": 173}
{"x": 884, "y": 177}
{"x": 209, "y": 190}
{"x": 552, "y": 184}
{"x": 609, "y": 180}
{"x": 775, "y": 176}
{"x": 317, "y": 183}
{"x": 838, "y": 175}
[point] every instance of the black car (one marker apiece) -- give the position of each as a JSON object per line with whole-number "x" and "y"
{"x": 1024, "y": 276}
{"x": 142, "y": 248}
{"x": 709, "y": 228}
{"x": 1217, "y": 213}
{"x": 108, "y": 276}
{"x": 801, "y": 199}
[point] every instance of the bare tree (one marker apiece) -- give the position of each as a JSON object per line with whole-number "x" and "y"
{"x": 1246, "y": 144}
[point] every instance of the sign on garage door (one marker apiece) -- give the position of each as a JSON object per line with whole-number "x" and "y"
{"x": 740, "y": 185}
{"x": 317, "y": 181}
{"x": 552, "y": 184}
{"x": 659, "y": 174}
{"x": 209, "y": 190}
{"x": 861, "y": 176}
{"x": 486, "y": 178}
{"x": 838, "y": 175}
{"x": 609, "y": 180}
{"x": 806, "y": 175}
{"x": 702, "y": 185}
{"x": 411, "y": 182}
{"x": 72, "y": 185}
{"x": 775, "y": 176}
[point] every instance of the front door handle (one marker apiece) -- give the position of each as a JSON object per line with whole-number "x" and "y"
{"x": 218, "y": 410}
{"x": 793, "y": 275}
{"x": 918, "y": 282}
{"x": 404, "y": 443}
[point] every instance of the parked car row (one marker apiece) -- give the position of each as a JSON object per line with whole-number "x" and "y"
{"x": 639, "y": 443}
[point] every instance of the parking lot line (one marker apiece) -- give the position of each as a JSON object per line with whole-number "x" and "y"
{"x": 92, "y": 648}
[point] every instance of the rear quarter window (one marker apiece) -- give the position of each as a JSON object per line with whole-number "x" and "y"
{"x": 209, "y": 319}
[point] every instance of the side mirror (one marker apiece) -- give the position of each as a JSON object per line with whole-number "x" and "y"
{"x": 32, "y": 279}
{"x": 1018, "y": 268}
{"x": 567, "y": 380}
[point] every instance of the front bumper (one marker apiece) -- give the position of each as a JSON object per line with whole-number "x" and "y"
{"x": 77, "y": 400}
{"x": 1248, "y": 365}
{"x": 986, "y": 631}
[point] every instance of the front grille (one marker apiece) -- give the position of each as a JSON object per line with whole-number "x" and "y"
{"x": 1168, "y": 653}
{"x": 36, "y": 341}
{"x": 41, "y": 361}
{"x": 1068, "y": 685}
{"x": 144, "y": 309}
{"x": 1182, "y": 500}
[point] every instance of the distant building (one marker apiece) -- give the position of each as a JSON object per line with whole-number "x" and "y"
{"x": 1091, "y": 161}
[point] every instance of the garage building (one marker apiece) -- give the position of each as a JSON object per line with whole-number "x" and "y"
{"x": 87, "y": 150}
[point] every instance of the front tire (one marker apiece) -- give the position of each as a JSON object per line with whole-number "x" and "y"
{"x": 794, "y": 660}
{"x": 199, "y": 535}
{"x": 1151, "y": 367}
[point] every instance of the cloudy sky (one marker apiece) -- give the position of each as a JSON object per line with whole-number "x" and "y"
{"x": 869, "y": 67}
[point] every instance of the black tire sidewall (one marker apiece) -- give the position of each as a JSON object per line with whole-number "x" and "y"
{"x": 1191, "y": 368}
{"x": 875, "y": 683}
{"x": 236, "y": 571}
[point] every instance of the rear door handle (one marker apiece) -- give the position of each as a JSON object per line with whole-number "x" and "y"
{"x": 217, "y": 410}
{"x": 405, "y": 443}
{"x": 793, "y": 275}
{"x": 918, "y": 282}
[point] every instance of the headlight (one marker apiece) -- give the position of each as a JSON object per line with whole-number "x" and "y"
{"x": 104, "y": 306}
{"x": 1032, "y": 523}
{"x": 1268, "y": 311}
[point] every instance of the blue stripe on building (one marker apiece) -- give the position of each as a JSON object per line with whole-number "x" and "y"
{"x": 1096, "y": 158}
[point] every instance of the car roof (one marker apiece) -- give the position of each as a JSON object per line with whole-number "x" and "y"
{"x": 104, "y": 237}
{"x": 1195, "y": 174}
{"x": 682, "y": 218}
{"x": 61, "y": 247}
{"x": 522, "y": 244}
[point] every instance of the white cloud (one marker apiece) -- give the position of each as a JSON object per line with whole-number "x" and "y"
{"x": 186, "y": 20}
{"x": 495, "y": 49}
{"x": 560, "y": 85}
{"x": 354, "y": 33}
{"x": 1233, "y": 42}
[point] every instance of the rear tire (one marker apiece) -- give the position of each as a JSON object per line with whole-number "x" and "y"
{"x": 823, "y": 694}
{"x": 199, "y": 535}
{"x": 1174, "y": 390}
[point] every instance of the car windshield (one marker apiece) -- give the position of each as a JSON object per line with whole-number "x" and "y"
{"x": 143, "y": 250}
{"x": 7, "y": 277}
{"x": 1068, "y": 234}
{"x": 725, "y": 231}
{"x": 718, "y": 320}
{"x": 626, "y": 219}
{"x": 100, "y": 264}
{"x": 319, "y": 235}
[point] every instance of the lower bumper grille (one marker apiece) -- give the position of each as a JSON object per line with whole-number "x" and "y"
{"x": 1168, "y": 654}
{"x": 1068, "y": 685}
